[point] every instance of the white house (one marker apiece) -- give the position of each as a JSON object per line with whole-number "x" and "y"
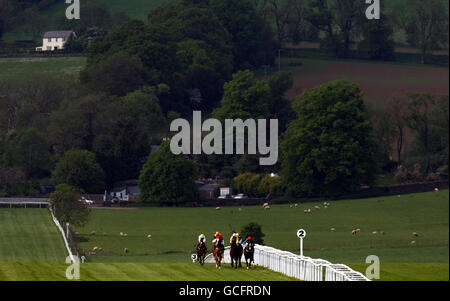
{"x": 55, "y": 40}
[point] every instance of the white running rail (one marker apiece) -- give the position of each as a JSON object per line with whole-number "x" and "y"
{"x": 72, "y": 258}
{"x": 292, "y": 265}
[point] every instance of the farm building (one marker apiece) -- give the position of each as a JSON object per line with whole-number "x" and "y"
{"x": 55, "y": 40}
{"x": 208, "y": 191}
{"x": 124, "y": 189}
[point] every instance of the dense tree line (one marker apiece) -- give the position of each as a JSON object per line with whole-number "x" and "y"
{"x": 196, "y": 55}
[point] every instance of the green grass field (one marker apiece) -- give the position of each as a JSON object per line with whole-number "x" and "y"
{"x": 136, "y": 272}
{"x": 29, "y": 235}
{"x": 40, "y": 66}
{"x": 175, "y": 230}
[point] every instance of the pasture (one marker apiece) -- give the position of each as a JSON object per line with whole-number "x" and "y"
{"x": 174, "y": 231}
{"x": 40, "y": 66}
{"x": 29, "y": 235}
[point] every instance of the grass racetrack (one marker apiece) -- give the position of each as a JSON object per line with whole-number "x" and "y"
{"x": 29, "y": 235}
{"x": 136, "y": 272}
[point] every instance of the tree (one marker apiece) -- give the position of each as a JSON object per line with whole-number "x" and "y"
{"x": 253, "y": 230}
{"x": 29, "y": 151}
{"x": 168, "y": 179}
{"x": 117, "y": 75}
{"x": 240, "y": 19}
{"x": 270, "y": 185}
{"x": 427, "y": 116}
{"x": 397, "y": 108}
{"x": 79, "y": 168}
{"x": 377, "y": 39}
{"x": 385, "y": 132}
{"x": 247, "y": 183}
{"x": 244, "y": 97}
{"x": 67, "y": 207}
{"x": 428, "y": 25}
{"x": 125, "y": 131}
{"x": 329, "y": 149}
{"x": 339, "y": 20}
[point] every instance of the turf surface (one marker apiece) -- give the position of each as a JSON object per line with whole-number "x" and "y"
{"x": 29, "y": 235}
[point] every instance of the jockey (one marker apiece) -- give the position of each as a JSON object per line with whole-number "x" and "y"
{"x": 248, "y": 240}
{"x": 201, "y": 238}
{"x": 218, "y": 240}
{"x": 238, "y": 238}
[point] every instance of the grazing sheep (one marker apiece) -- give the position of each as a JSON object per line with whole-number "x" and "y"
{"x": 309, "y": 210}
{"x": 333, "y": 229}
{"x": 121, "y": 233}
{"x": 354, "y": 232}
{"x": 436, "y": 189}
{"x": 358, "y": 230}
{"x": 126, "y": 250}
{"x": 398, "y": 196}
{"x": 149, "y": 236}
{"x": 95, "y": 249}
{"x": 374, "y": 232}
{"x": 317, "y": 207}
{"x": 290, "y": 206}
{"x": 413, "y": 242}
{"x": 325, "y": 206}
{"x": 92, "y": 253}
{"x": 125, "y": 234}
{"x": 305, "y": 211}
{"x": 267, "y": 207}
{"x": 415, "y": 234}
{"x": 93, "y": 233}
{"x": 295, "y": 205}
{"x": 239, "y": 209}
{"x": 217, "y": 208}
{"x": 265, "y": 204}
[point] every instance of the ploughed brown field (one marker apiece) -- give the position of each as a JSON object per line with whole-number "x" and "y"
{"x": 379, "y": 81}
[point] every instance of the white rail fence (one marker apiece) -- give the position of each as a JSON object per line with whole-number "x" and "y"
{"x": 303, "y": 268}
{"x": 55, "y": 220}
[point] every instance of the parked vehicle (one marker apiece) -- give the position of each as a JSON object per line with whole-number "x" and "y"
{"x": 240, "y": 196}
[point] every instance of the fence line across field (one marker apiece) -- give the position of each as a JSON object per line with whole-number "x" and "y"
{"x": 299, "y": 267}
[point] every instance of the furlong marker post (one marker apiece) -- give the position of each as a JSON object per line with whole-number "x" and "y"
{"x": 301, "y": 234}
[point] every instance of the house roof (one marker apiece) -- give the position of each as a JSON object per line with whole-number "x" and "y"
{"x": 57, "y": 34}
{"x": 209, "y": 187}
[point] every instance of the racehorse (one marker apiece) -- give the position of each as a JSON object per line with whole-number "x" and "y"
{"x": 235, "y": 253}
{"x": 217, "y": 252}
{"x": 201, "y": 252}
{"x": 249, "y": 251}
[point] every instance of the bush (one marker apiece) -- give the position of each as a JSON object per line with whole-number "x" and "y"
{"x": 432, "y": 177}
{"x": 254, "y": 230}
{"x": 270, "y": 185}
{"x": 401, "y": 177}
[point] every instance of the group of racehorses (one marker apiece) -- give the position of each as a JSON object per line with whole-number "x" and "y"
{"x": 236, "y": 251}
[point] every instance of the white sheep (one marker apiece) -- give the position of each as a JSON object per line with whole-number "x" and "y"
{"x": 374, "y": 232}
{"x": 126, "y": 250}
{"x": 296, "y": 205}
{"x": 415, "y": 234}
{"x": 121, "y": 233}
{"x": 149, "y": 236}
{"x": 217, "y": 208}
{"x": 333, "y": 229}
